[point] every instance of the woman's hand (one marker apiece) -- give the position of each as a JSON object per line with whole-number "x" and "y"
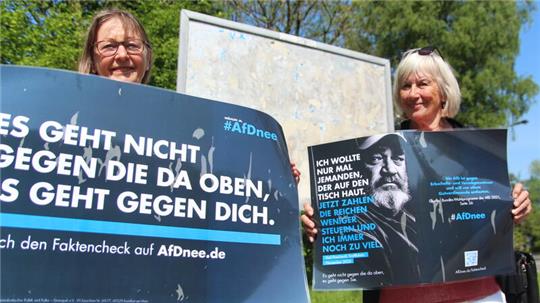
{"x": 295, "y": 172}
{"x": 522, "y": 203}
{"x": 307, "y": 221}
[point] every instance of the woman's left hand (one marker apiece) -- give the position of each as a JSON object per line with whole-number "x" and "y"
{"x": 522, "y": 203}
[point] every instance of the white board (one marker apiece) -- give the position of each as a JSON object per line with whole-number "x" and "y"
{"x": 318, "y": 93}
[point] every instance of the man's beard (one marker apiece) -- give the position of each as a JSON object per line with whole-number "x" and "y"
{"x": 392, "y": 198}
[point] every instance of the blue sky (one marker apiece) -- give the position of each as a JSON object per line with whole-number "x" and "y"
{"x": 526, "y": 146}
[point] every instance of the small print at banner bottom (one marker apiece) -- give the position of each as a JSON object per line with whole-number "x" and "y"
{"x": 411, "y": 207}
{"x": 116, "y": 192}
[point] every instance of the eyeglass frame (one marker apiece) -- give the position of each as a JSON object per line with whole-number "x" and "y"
{"x": 423, "y": 51}
{"x": 123, "y": 43}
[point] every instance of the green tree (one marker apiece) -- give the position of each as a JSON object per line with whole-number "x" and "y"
{"x": 527, "y": 234}
{"x": 40, "y": 33}
{"x": 51, "y": 33}
{"x": 479, "y": 39}
{"x": 324, "y": 21}
{"x": 534, "y": 169}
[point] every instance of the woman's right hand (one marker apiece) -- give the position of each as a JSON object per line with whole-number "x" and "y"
{"x": 307, "y": 221}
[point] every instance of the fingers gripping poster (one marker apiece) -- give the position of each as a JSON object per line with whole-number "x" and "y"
{"x": 114, "y": 192}
{"x": 411, "y": 207}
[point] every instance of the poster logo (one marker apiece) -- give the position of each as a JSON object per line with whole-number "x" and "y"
{"x": 466, "y": 216}
{"x": 238, "y": 126}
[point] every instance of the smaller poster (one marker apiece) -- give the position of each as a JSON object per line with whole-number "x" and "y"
{"x": 411, "y": 207}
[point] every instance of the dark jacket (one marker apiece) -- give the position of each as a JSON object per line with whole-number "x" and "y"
{"x": 406, "y": 124}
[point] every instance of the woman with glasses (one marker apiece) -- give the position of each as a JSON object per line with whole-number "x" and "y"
{"x": 427, "y": 95}
{"x": 117, "y": 47}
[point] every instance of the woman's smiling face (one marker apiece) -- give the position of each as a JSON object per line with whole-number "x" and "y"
{"x": 420, "y": 98}
{"x": 122, "y": 66}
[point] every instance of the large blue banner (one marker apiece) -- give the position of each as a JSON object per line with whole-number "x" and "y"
{"x": 115, "y": 192}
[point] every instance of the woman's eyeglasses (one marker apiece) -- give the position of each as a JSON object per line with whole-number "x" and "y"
{"x": 424, "y": 51}
{"x": 108, "y": 48}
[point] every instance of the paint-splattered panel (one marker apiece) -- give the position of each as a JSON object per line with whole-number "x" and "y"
{"x": 319, "y": 93}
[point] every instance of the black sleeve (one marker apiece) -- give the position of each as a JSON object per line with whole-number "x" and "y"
{"x": 370, "y": 296}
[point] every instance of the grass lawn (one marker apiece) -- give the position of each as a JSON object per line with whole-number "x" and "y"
{"x": 335, "y": 296}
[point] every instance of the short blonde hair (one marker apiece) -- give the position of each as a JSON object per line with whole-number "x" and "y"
{"x": 86, "y": 62}
{"x": 434, "y": 65}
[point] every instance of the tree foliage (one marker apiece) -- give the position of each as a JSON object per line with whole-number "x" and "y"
{"x": 479, "y": 39}
{"x": 534, "y": 169}
{"x": 52, "y": 33}
{"x": 527, "y": 234}
{"x": 40, "y": 33}
{"x": 325, "y": 21}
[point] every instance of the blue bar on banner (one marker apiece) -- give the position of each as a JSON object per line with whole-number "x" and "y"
{"x": 337, "y": 262}
{"x": 346, "y": 256}
{"x": 132, "y": 229}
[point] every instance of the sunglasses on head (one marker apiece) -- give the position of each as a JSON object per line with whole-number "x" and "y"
{"x": 424, "y": 51}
